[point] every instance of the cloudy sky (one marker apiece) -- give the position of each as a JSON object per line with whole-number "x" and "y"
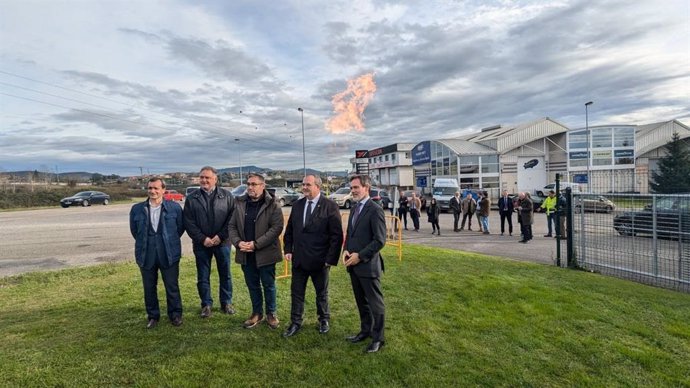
{"x": 111, "y": 86}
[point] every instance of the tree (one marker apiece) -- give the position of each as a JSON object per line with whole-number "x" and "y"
{"x": 673, "y": 174}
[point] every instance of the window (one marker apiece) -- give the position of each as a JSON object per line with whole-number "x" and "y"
{"x": 386, "y": 158}
{"x": 623, "y": 137}
{"x": 577, "y": 140}
{"x": 393, "y": 157}
{"x": 601, "y": 138}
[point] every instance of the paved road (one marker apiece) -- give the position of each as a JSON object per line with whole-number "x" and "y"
{"x": 49, "y": 239}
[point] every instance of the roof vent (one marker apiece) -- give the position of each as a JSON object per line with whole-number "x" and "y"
{"x": 487, "y": 129}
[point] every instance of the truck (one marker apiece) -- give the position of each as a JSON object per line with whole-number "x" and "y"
{"x": 444, "y": 189}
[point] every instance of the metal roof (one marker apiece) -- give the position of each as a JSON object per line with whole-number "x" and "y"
{"x": 651, "y": 136}
{"x": 505, "y": 139}
{"x": 464, "y": 147}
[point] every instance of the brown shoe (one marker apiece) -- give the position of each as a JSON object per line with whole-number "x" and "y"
{"x": 206, "y": 311}
{"x": 253, "y": 320}
{"x": 272, "y": 320}
{"x": 227, "y": 309}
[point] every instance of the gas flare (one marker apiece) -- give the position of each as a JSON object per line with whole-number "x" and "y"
{"x": 349, "y": 105}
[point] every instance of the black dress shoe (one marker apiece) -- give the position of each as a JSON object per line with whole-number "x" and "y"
{"x": 176, "y": 321}
{"x": 324, "y": 327}
{"x": 359, "y": 337}
{"x": 152, "y": 323}
{"x": 291, "y": 330}
{"x": 375, "y": 346}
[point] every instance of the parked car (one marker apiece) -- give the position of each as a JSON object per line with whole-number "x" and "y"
{"x": 381, "y": 197}
{"x": 190, "y": 190}
{"x": 86, "y": 198}
{"x": 342, "y": 197}
{"x": 283, "y": 195}
{"x": 421, "y": 197}
{"x": 172, "y": 195}
{"x": 239, "y": 191}
{"x": 672, "y": 216}
{"x": 593, "y": 204}
{"x": 537, "y": 200}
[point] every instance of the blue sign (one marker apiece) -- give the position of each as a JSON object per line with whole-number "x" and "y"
{"x": 421, "y": 181}
{"x": 421, "y": 154}
{"x": 624, "y": 153}
{"x": 579, "y": 155}
{"x": 580, "y": 178}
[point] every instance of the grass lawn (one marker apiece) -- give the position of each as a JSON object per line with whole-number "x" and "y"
{"x": 453, "y": 319}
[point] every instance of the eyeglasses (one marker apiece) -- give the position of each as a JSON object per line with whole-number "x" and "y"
{"x": 254, "y": 184}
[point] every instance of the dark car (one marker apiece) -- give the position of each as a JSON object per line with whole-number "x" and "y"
{"x": 283, "y": 195}
{"x": 537, "y": 200}
{"x": 239, "y": 191}
{"x": 381, "y": 197}
{"x": 531, "y": 163}
{"x": 669, "y": 217}
{"x": 85, "y": 198}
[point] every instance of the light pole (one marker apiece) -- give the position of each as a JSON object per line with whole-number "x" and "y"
{"x": 589, "y": 157}
{"x": 304, "y": 155}
{"x": 239, "y": 153}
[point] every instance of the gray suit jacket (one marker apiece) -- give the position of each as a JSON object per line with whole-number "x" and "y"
{"x": 367, "y": 237}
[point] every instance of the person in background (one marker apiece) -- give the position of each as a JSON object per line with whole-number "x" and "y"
{"x": 562, "y": 215}
{"x": 415, "y": 208}
{"x": 403, "y": 204}
{"x": 469, "y": 206}
{"x": 313, "y": 240}
{"x": 456, "y": 206}
{"x": 485, "y": 206}
{"x": 157, "y": 226}
{"x": 255, "y": 230}
{"x": 526, "y": 210}
{"x": 505, "y": 211}
{"x": 549, "y": 206}
{"x": 433, "y": 212}
{"x": 207, "y": 212}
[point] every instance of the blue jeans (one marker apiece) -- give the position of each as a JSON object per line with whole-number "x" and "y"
{"x": 485, "y": 223}
{"x": 255, "y": 278}
{"x": 203, "y": 274}
{"x": 550, "y": 221}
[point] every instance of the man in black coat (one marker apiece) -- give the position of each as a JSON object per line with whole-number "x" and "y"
{"x": 313, "y": 239}
{"x": 505, "y": 210}
{"x": 366, "y": 236}
{"x": 207, "y": 213}
{"x": 456, "y": 206}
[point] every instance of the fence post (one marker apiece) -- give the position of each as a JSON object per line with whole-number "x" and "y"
{"x": 558, "y": 220}
{"x": 569, "y": 220}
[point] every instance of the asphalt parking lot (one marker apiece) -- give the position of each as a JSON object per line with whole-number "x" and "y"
{"x": 50, "y": 239}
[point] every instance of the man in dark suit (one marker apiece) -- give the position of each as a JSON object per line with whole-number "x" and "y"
{"x": 313, "y": 239}
{"x": 366, "y": 236}
{"x": 505, "y": 210}
{"x": 455, "y": 204}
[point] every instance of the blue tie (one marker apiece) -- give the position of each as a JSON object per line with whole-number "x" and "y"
{"x": 357, "y": 211}
{"x": 307, "y": 216}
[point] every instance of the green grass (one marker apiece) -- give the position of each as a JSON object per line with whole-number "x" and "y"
{"x": 453, "y": 319}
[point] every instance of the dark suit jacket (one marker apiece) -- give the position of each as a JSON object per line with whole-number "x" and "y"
{"x": 320, "y": 240}
{"x": 367, "y": 237}
{"x": 501, "y": 206}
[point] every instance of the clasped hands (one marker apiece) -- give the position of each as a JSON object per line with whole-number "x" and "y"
{"x": 350, "y": 258}
{"x": 212, "y": 242}
{"x": 246, "y": 246}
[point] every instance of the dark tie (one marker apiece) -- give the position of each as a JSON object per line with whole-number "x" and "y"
{"x": 357, "y": 211}
{"x": 307, "y": 217}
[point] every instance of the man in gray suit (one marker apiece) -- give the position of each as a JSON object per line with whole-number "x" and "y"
{"x": 366, "y": 236}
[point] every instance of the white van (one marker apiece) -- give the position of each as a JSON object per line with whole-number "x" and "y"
{"x": 574, "y": 187}
{"x": 444, "y": 189}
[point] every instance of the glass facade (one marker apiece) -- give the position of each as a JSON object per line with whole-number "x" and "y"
{"x": 470, "y": 170}
{"x": 610, "y": 147}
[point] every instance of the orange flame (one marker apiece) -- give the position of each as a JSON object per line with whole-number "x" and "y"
{"x": 349, "y": 105}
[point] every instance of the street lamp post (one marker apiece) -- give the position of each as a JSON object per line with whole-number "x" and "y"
{"x": 589, "y": 157}
{"x": 239, "y": 153}
{"x": 304, "y": 155}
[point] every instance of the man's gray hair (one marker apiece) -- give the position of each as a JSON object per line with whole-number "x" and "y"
{"x": 365, "y": 180}
{"x": 209, "y": 168}
{"x": 317, "y": 180}
{"x": 256, "y": 175}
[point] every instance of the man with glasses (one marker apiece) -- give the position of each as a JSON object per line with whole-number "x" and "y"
{"x": 255, "y": 229}
{"x": 207, "y": 213}
{"x": 313, "y": 240}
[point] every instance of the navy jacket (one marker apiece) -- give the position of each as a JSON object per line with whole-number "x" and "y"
{"x": 367, "y": 237}
{"x": 197, "y": 216}
{"x": 172, "y": 224}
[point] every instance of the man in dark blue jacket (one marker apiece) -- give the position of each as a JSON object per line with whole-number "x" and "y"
{"x": 157, "y": 226}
